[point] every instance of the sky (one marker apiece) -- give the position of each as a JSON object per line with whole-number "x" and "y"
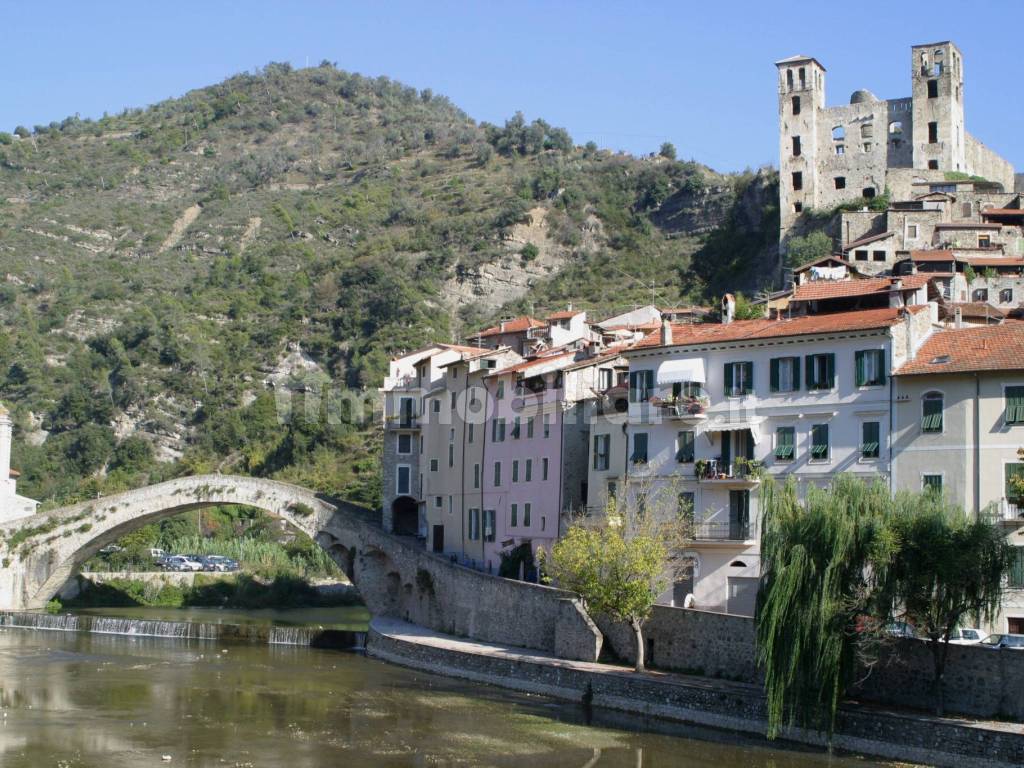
{"x": 627, "y": 75}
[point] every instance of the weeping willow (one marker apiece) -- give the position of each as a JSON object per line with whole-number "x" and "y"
{"x": 819, "y": 559}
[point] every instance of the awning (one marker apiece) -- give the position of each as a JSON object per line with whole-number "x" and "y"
{"x": 752, "y": 423}
{"x": 681, "y": 369}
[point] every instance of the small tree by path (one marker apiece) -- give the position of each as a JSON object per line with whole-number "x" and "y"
{"x": 949, "y": 567}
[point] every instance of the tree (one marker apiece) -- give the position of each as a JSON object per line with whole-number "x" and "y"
{"x": 668, "y": 150}
{"x": 811, "y": 247}
{"x": 619, "y": 563}
{"x": 949, "y": 566}
{"x": 819, "y": 563}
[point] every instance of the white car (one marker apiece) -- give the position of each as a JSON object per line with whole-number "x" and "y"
{"x": 966, "y": 636}
{"x": 181, "y": 563}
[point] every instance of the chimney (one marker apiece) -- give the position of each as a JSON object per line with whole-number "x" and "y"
{"x": 728, "y": 308}
{"x": 666, "y": 333}
{"x": 958, "y": 317}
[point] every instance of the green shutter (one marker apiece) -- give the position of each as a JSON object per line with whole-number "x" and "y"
{"x": 749, "y": 370}
{"x": 860, "y": 364}
{"x": 728, "y": 379}
{"x": 784, "y": 443}
{"x": 830, "y": 370}
{"x": 796, "y": 373}
{"x": 880, "y": 354}
{"x": 773, "y": 374}
{"x": 932, "y": 415}
{"x": 809, "y": 371}
{"x": 870, "y": 433}
{"x": 1014, "y": 491}
{"x": 1015, "y": 405}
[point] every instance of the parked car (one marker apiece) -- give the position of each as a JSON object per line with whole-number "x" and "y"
{"x": 220, "y": 563}
{"x": 1015, "y": 642}
{"x": 111, "y": 549}
{"x": 900, "y": 629}
{"x": 966, "y": 636}
{"x": 181, "y": 563}
{"x": 156, "y": 553}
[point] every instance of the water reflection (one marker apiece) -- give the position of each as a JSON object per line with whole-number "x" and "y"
{"x": 91, "y": 700}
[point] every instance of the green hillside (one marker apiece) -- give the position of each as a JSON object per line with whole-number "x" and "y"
{"x": 161, "y": 265}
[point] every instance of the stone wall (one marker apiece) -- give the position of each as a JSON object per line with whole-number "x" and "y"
{"x": 717, "y": 704}
{"x": 979, "y": 681}
{"x": 982, "y": 161}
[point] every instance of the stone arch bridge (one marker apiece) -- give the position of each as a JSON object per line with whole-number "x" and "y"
{"x": 395, "y": 575}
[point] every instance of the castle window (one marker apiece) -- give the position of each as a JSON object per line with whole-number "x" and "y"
{"x": 1006, "y": 296}
{"x": 789, "y": 78}
{"x": 868, "y": 192}
{"x": 798, "y": 180}
{"x": 840, "y": 149}
{"x": 867, "y": 130}
{"x": 984, "y": 241}
{"x": 924, "y": 62}
{"x": 966, "y": 208}
{"x": 980, "y": 294}
{"x": 878, "y": 255}
{"x": 840, "y": 182}
{"x": 798, "y": 207}
{"x": 803, "y": 77}
{"x": 938, "y": 66}
{"x": 933, "y": 89}
{"x": 838, "y": 133}
{"x": 933, "y": 165}
{"x": 933, "y": 133}
{"x": 867, "y": 146}
{"x": 860, "y": 255}
{"x": 796, "y": 146}
{"x": 796, "y": 105}
{"x": 912, "y": 231}
{"x": 895, "y": 128}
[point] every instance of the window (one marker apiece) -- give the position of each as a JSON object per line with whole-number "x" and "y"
{"x": 933, "y": 165}
{"x": 867, "y": 130}
{"x": 404, "y": 444}
{"x": 451, "y": 455}
{"x": 796, "y": 146}
{"x": 979, "y": 294}
{"x": 821, "y": 371}
{"x": 639, "y": 455}
{"x": 500, "y": 394}
{"x": 489, "y": 516}
{"x": 840, "y": 182}
{"x": 984, "y": 241}
{"x": 860, "y": 255}
{"x": 474, "y": 524}
{"x": 878, "y": 255}
{"x": 931, "y": 412}
{"x": 819, "y": 442}
{"x": 1016, "y": 581}
{"x": 933, "y": 89}
{"x": 798, "y": 181}
{"x": 796, "y": 105}
{"x": 547, "y": 425}
{"x": 455, "y": 396}
{"x": 739, "y": 379}
{"x": 933, "y": 133}
{"x": 1013, "y": 487}
{"x": 407, "y": 412}
{"x": 527, "y": 509}
{"x": 438, "y": 501}
{"x": 687, "y": 389}
{"x": 869, "y": 366}
{"x": 403, "y": 480}
{"x": 798, "y": 207}
{"x": 784, "y": 374}
{"x": 544, "y": 469}
{"x": 602, "y": 451}
{"x": 640, "y": 385}
{"x": 476, "y": 475}
{"x": 471, "y": 431}
{"x": 498, "y": 431}
{"x": 435, "y": 405}
{"x": 839, "y": 133}
{"x": 868, "y": 192}
{"x": 789, "y": 78}
{"x": 684, "y": 447}
{"x": 513, "y": 516}
{"x": 497, "y": 474}
{"x": 516, "y": 428}
{"x": 840, "y": 149}
{"x": 604, "y": 379}
{"x": 529, "y": 471}
{"x": 895, "y": 128}
{"x": 515, "y": 470}
{"x": 1006, "y": 296}
{"x": 1014, "y": 405}
{"x": 867, "y": 148}
{"x": 931, "y": 483}
{"x": 785, "y": 443}
{"x": 870, "y": 432}
{"x": 912, "y": 231}
{"x": 433, "y": 465}
{"x": 529, "y": 426}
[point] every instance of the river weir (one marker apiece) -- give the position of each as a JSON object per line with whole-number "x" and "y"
{"x": 260, "y": 634}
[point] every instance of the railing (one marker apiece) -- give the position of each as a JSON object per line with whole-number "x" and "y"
{"x": 403, "y": 421}
{"x": 715, "y": 469}
{"x": 732, "y": 530}
{"x": 1009, "y": 510}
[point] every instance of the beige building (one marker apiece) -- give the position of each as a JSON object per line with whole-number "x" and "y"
{"x": 12, "y": 506}
{"x": 958, "y": 411}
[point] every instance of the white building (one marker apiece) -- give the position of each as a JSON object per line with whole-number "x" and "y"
{"x": 12, "y": 506}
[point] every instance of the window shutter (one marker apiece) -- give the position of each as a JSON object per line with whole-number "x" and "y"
{"x": 749, "y": 370}
{"x": 750, "y": 444}
{"x": 830, "y": 370}
{"x": 796, "y": 373}
{"x": 773, "y": 374}
{"x": 728, "y": 378}
{"x": 860, "y": 363}
{"x": 1014, "y": 405}
{"x": 809, "y": 371}
{"x": 880, "y": 354}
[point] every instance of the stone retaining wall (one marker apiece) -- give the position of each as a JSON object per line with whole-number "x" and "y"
{"x": 717, "y": 704}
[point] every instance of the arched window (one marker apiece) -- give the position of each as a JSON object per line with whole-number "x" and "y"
{"x": 789, "y": 79}
{"x": 895, "y": 128}
{"x": 839, "y": 133}
{"x": 937, "y": 69}
{"x": 737, "y": 564}
{"x": 931, "y": 412}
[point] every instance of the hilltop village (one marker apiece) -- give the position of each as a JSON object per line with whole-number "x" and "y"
{"x": 895, "y": 358}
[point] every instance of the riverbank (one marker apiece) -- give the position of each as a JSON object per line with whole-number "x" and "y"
{"x": 740, "y": 707}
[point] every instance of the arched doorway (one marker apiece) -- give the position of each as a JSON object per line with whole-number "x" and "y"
{"x": 405, "y": 516}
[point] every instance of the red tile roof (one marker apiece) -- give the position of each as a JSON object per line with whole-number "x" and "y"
{"x": 992, "y": 261}
{"x": 835, "y": 289}
{"x": 1003, "y": 212}
{"x": 565, "y": 314}
{"x": 515, "y": 325}
{"x": 685, "y": 334}
{"x": 868, "y": 239}
{"x": 931, "y": 256}
{"x": 562, "y": 360}
{"x": 984, "y": 348}
{"x": 972, "y": 309}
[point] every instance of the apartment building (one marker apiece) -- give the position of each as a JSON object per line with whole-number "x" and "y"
{"x": 958, "y": 415}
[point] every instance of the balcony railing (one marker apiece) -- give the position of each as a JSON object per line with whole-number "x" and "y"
{"x": 731, "y": 530}
{"x": 403, "y": 421}
{"x": 1011, "y": 511}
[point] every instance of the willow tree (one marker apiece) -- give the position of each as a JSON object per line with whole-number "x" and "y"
{"x": 820, "y": 560}
{"x": 949, "y": 567}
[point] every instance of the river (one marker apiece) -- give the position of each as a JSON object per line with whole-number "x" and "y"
{"x": 77, "y": 700}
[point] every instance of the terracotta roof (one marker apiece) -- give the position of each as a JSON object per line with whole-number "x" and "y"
{"x": 684, "y": 334}
{"x": 563, "y": 359}
{"x": 984, "y": 348}
{"x": 972, "y": 309}
{"x": 931, "y": 256}
{"x": 15, "y": 473}
{"x": 1003, "y": 212}
{"x": 835, "y": 289}
{"x": 515, "y": 325}
{"x": 966, "y": 225}
{"x": 992, "y": 261}
{"x": 868, "y": 239}
{"x": 565, "y": 314}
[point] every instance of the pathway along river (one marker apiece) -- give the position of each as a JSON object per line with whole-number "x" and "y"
{"x": 78, "y": 700}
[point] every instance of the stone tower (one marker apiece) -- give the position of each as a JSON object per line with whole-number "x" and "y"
{"x": 801, "y": 100}
{"x": 937, "y": 77}
{"x": 7, "y": 487}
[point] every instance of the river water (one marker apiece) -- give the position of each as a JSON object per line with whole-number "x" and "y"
{"x": 76, "y": 700}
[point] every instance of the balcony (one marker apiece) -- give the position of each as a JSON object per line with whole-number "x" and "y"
{"x": 690, "y": 410}
{"x": 402, "y": 421}
{"x": 741, "y": 473}
{"x": 726, "y": 530}
{"x": 1011, "y": 512}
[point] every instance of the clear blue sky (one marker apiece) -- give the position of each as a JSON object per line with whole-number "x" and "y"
{"x": 627, "y": 75}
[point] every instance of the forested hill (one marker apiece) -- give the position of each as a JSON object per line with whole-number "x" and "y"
{"x": 160, "y": 266}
